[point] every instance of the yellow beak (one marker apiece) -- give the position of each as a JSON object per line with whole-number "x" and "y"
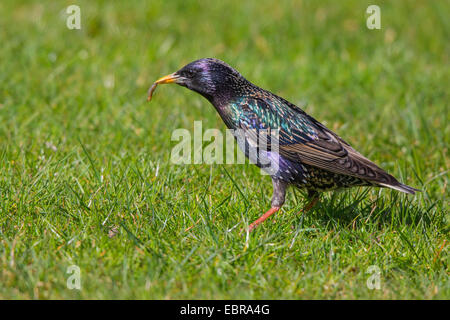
{"x": 166, "y": 79}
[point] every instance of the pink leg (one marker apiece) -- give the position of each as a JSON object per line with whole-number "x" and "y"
{"x": 262, "y": 218}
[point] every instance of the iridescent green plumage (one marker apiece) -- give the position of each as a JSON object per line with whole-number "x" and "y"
{"x": 304, "y": 140}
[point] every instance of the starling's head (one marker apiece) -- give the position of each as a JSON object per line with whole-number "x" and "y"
{"x": 209, "y": 77}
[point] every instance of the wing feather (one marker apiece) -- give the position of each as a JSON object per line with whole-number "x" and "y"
{"x": 304, "y": 139}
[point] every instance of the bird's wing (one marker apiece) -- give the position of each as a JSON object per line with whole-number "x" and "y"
{"x": 304, "y": 139}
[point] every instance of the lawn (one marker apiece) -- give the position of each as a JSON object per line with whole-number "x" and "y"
{"x": 86, "y": 177}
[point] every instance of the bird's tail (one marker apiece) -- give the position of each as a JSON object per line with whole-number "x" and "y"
{"x": 401, "y": 187}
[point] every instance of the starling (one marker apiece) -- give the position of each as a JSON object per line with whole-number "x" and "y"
{"x": 308, "y": 155}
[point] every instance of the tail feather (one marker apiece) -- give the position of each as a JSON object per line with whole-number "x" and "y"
{"x": 401, "y": 187}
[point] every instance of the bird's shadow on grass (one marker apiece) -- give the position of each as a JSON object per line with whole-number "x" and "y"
{"x": 388, "y": 208}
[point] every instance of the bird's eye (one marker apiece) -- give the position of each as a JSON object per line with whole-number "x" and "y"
{"x": 189, "y": 73}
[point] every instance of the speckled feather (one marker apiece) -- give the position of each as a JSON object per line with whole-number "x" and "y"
{"x": 253, "y": 113}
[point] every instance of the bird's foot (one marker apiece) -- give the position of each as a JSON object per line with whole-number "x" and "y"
{"x": 262, "y": 218}
{"x": 310, "y": 205}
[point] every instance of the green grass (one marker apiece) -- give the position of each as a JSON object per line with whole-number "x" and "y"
{"x": 81, "y": 152}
